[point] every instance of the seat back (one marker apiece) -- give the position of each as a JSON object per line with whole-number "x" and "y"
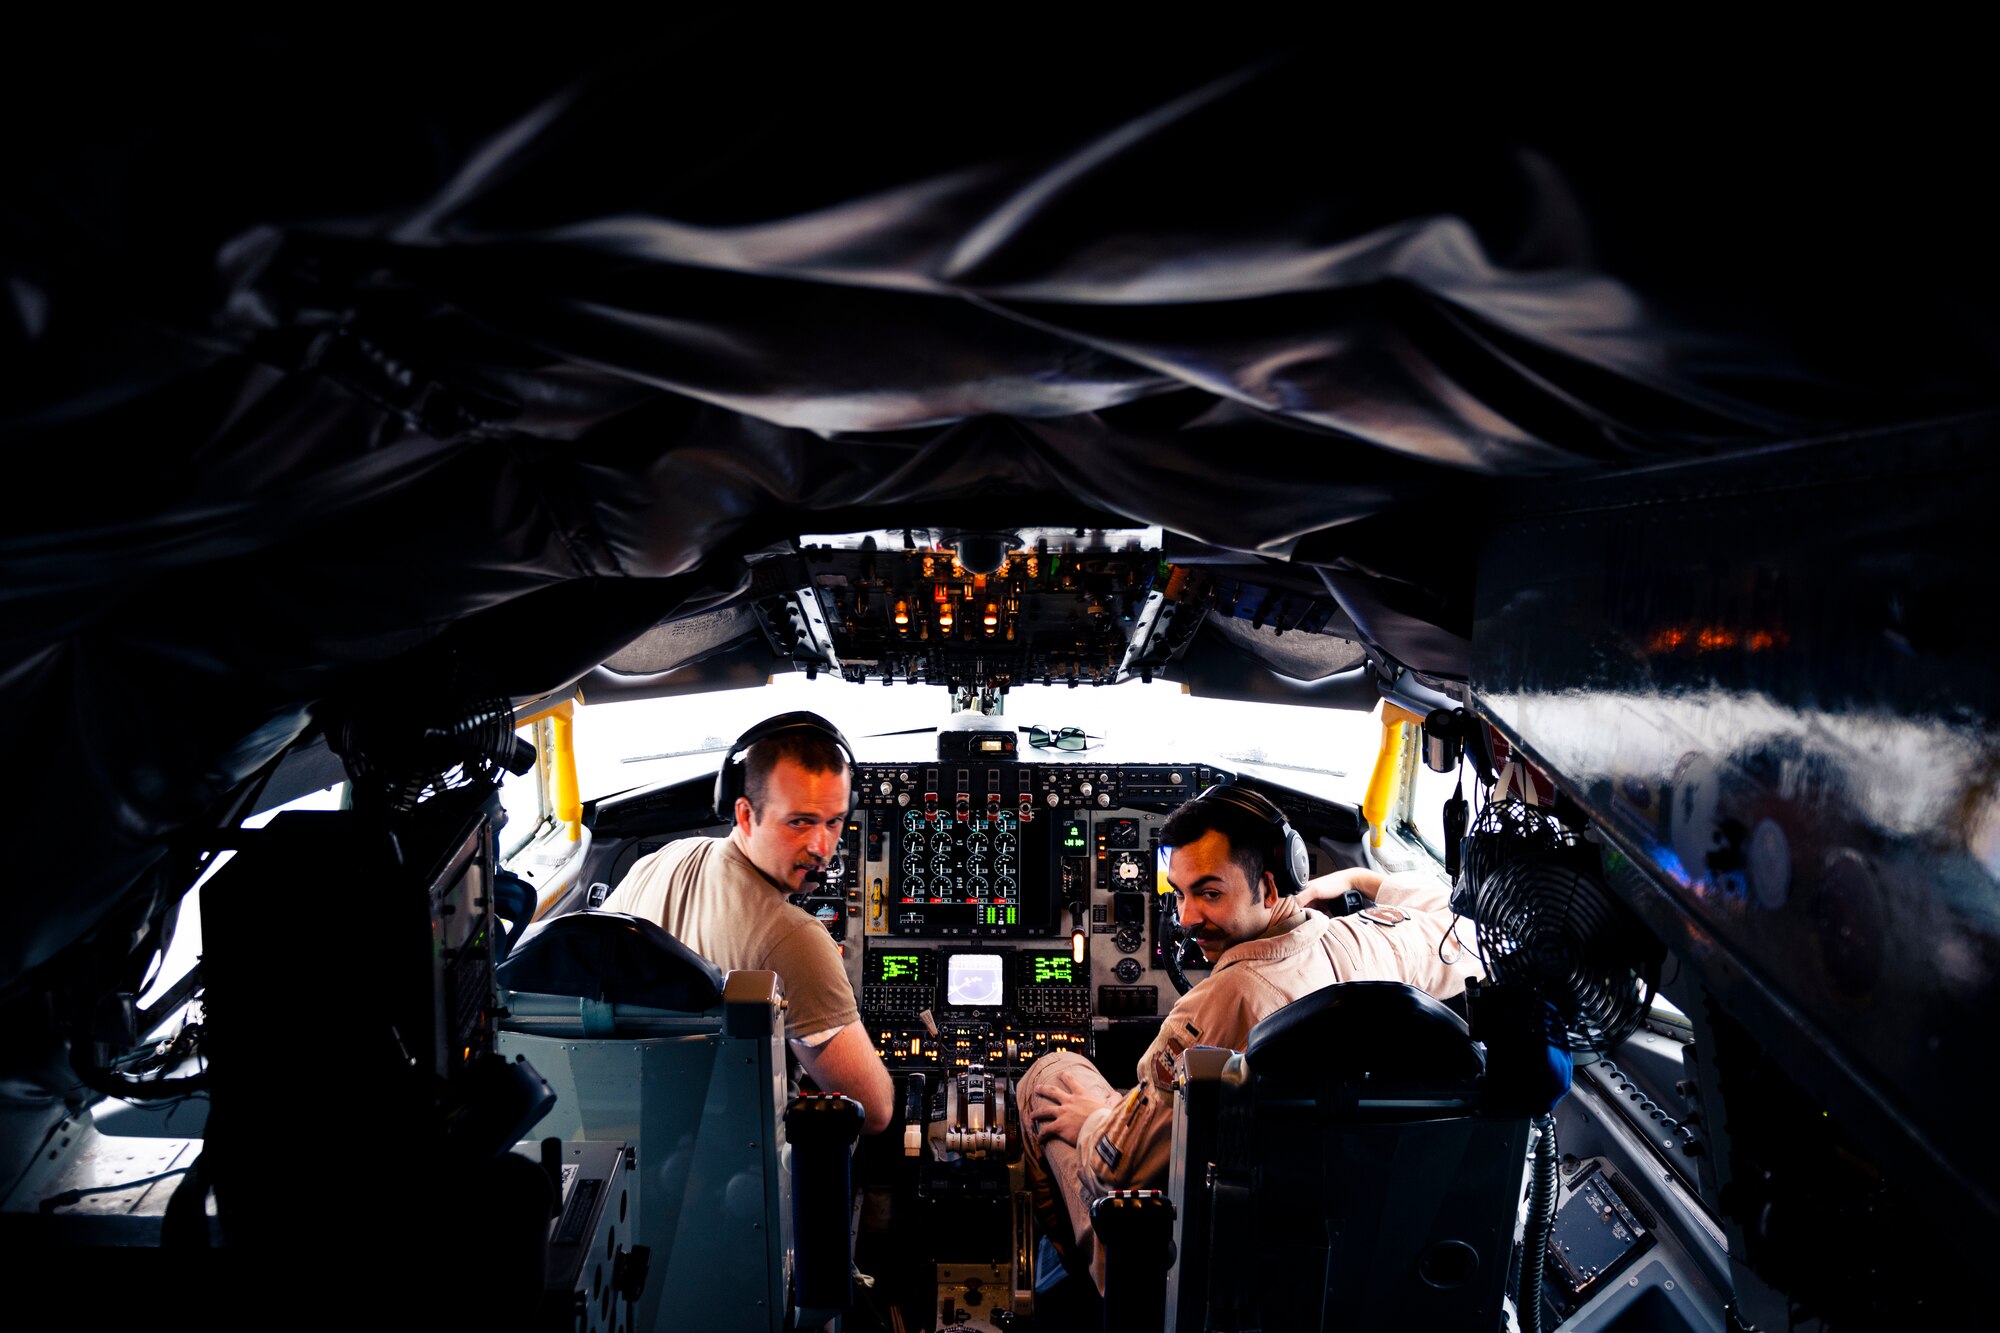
{"x": 697, "y": 1090}
{"x": 1356, "y": 1184}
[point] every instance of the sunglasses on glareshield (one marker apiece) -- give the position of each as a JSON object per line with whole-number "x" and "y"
{"x": 1060, "y": 738}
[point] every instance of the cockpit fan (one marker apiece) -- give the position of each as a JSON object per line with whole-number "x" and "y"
{"x": 452, "y": 733}
{"x": 1504, "y": 832}
{"x": 1549, "y": 923}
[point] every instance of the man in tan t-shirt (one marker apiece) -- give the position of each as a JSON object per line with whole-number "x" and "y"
{"x": 728, "y": 900}
{"x": 1084, "y": 1138}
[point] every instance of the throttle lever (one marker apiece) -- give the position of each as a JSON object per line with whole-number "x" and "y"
{"x": 916, "y": 1114}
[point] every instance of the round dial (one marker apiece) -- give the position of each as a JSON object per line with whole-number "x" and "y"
{"x": 1129, "y": 971}
{"x": 1127, "y": 869}
{"x": 975, "y": 846}
{"x": 1003, "y": 847}
{"x": 1004, "y": 821}
{"x": 1127, "y": 939}
{"x": 942, "y": 865}
{"x": 913, "y": 821}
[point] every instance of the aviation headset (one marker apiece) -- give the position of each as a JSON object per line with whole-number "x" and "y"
{"x": 1285, "y": 851}
{"x": 729, "y": 778}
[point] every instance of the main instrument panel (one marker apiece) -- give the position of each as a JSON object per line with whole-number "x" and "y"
{"x": 1006, "y": 909}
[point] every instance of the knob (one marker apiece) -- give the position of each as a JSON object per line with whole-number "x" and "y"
{"x": 1174, "y": 778}
{"x": 1104, "y": 798}
{"x": 1084, "y": 788}
{"x": 1055, "y": 798}
{"x": 902, "y": 798}
{"x": 888, "y": 787}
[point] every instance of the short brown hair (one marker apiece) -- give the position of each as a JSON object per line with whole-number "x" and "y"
{"x": 1248, "y": 837}
{"x": 813, "y": 751}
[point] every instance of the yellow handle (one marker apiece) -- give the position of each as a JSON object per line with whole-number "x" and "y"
{"x": 1388, "y": 761}
{"x": 568, "y": 805}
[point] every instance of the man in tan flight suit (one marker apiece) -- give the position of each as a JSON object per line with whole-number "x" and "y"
{"x": 1084, "y": 1139}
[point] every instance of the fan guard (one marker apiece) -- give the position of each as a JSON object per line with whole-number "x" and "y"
{"x": 1549, "y": 924}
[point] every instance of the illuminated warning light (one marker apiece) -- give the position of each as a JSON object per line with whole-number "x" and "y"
{"x": 945, "y": 618}
{"x": 930, "y": 567}
{"x": 992, "y": 614}
{"x": 903, "y": 614}
{"x": 1034, "y": 566}
{"x": 1716, "y": 638}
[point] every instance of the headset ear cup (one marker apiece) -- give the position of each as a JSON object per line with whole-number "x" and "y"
{"x": 729, "y": 777}
{"x": 1297, "y": 861}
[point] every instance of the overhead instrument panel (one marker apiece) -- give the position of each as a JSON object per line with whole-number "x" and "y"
{"x": 981, "y": 611}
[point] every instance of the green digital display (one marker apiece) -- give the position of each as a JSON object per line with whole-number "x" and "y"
{"x": 897, "y": 967}
{"x": 1074, "y": 836}
{"x": 1053, "y": 970}
{"x": 997, "y": 916}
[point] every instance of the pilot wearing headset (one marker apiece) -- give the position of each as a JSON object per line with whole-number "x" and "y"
{"x": 786, "y": 787}
{"x": 1237, "y": 871}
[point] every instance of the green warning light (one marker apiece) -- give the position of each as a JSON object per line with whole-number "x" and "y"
{"x": 1074, "y": 837}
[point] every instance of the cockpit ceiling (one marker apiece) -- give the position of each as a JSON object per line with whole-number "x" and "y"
{"x": 324, "y": 352}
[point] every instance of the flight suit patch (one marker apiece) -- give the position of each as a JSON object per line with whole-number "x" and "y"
{"x": 1384, "y": 916}
{"x": 1109, "y": 1152}
{"x": 1193, "y": 1031}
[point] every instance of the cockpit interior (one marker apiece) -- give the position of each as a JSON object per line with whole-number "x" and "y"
{"x": 1566, "y": 483}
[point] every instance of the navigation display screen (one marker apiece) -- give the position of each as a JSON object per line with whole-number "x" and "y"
{"x": 974, "y": 980}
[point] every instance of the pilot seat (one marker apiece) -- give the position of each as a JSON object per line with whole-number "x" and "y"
{"x": 745, "y": 1221}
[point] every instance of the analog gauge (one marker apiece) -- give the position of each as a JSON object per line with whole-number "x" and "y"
{"x": 941, "y": 863}
{"x": 1128, "y": 970}
{"x": 1127, "y": 939}
{"x": 975, "y": 847}
{"x": 1119, "y": 832}
{"x": 913, "y": 821}
{"x": 1003, "y": 848}
{"x": 977, "y": 886}
{"x": 1003, "y": 884}
{"x": 1004, "y": 821}
{"x": 1127, "y": 869}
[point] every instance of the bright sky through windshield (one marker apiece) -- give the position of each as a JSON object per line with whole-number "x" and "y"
{"x": 1321, "y": 750}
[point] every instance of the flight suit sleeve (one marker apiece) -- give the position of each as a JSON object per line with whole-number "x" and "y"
{"x": 1409, "y": 934}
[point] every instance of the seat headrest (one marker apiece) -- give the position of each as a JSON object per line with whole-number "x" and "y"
{"x": 1385, "y": 1030}
{"x": 598, "y": 955}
